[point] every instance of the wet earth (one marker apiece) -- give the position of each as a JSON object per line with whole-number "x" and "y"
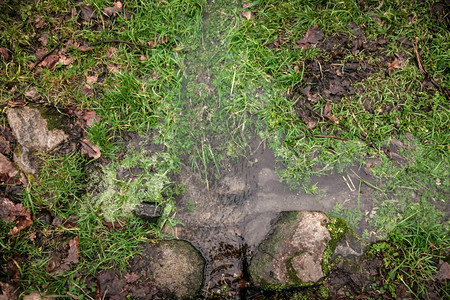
{"x": 228, "y": 220}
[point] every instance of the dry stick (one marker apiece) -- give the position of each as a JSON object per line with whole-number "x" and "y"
{"x": 357, "y": 123}
{"x": 427, "y": 75}
{"x": 45, "y": 55}
{"x": 328, "y": 136}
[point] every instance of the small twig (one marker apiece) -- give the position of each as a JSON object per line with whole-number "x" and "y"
{"x": 313, "y": 111}
{"x": 327, "y": 137}
{"x": 419, "y": 61}
{"x": 427, "y": 75}
{"x": 320, "y": 68}
{"x": 45, "y": 55}
{"x": 357, "y": 123}
{"x": 349, "y": 183}
{"x": 115, "y": 41}
{"x": 381, "y": 4}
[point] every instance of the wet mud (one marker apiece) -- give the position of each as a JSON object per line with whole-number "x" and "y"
{"x": 228, "y": 219}
{"x": 345, "y": 61}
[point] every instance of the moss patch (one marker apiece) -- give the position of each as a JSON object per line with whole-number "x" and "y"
{"x": 338, "y": 228}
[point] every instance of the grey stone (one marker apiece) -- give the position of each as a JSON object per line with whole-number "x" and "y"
{"x": 175, "y": 267}
{"x": 291, "y": 255}
{"x": 348, "y": 246}
{"x": 32, "y": 134}
{"x": 148, "y": 211}
{"x": 25, "y": 160}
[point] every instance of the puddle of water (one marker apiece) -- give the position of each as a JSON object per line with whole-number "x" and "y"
{"x": 232, "y": 194}
{"x": 227, "y": 220}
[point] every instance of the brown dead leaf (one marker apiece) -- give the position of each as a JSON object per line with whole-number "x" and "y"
{"x": 115, "y": 224}
{"x": 87, "y": 13}
{"x": 7, "y": 291}
{"x": 333, "y": 119}
{"x": 313, "y": 97}
{"x": 74, "y": 251}
{"x": 327, "y": 113}
{"x": 5, "y": 146}
{"x": 32, "y": 236}
{"x": 40, "y": 52}
{"x": 71, "y": 43}
{"x": 327, "y": 109}
{"x": 72, "y": 257}
{"x": 89, "y": 149}
{"x": 313, "y": 36}
{"x": 18, "y": 102}
{"x": 88, "y": 90}
{"x": 112, "y": 68}
{"x": 399, "y": 62}
{"x": 110, "y": 11}
{"x": 246, "y": 5}
{"x": 444, "y": 272}
{"x": 66, "y": 61}
{"x": 151, "y": 43}
{"x": 39, "y": 23}
{"x": 4, "y": 53}
{"x": 6, "y": 206}
{"x": 10, "y": 212}
{"x": 50, "y": 61}
{"x": 57, "y": 221}
{"x": 165, "y": 39}
{"x": 310, "y": 123}
{"x": 131, "y": 278}
{"x": 91, "y": 118}
{"x": 21, "y": 224}
{"x": 82, "y": 46}
{"x": 111, "y": 52}
{"x": 393, "y": 65}
{"x": 32, "y": 94}
{"x": 247, "y": 14}
{"x": 6, "y": 166}
{"x": 92, "y": 78}
{"x": 43, "y": 39}
{"x": 23, "y": 179}
{"x": 143, "y": 58}
{"x": 86, "y": 118}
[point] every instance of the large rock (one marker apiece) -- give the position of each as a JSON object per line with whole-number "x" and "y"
{"x": 175, "y": 267}
{"x": 291, "y": 255}
{"x": 32, "y": 134}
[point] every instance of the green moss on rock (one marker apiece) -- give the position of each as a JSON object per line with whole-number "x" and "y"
{"x": 337, "y": 228}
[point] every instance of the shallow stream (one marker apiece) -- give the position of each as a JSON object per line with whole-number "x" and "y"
{"x": 230, "y": 200}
